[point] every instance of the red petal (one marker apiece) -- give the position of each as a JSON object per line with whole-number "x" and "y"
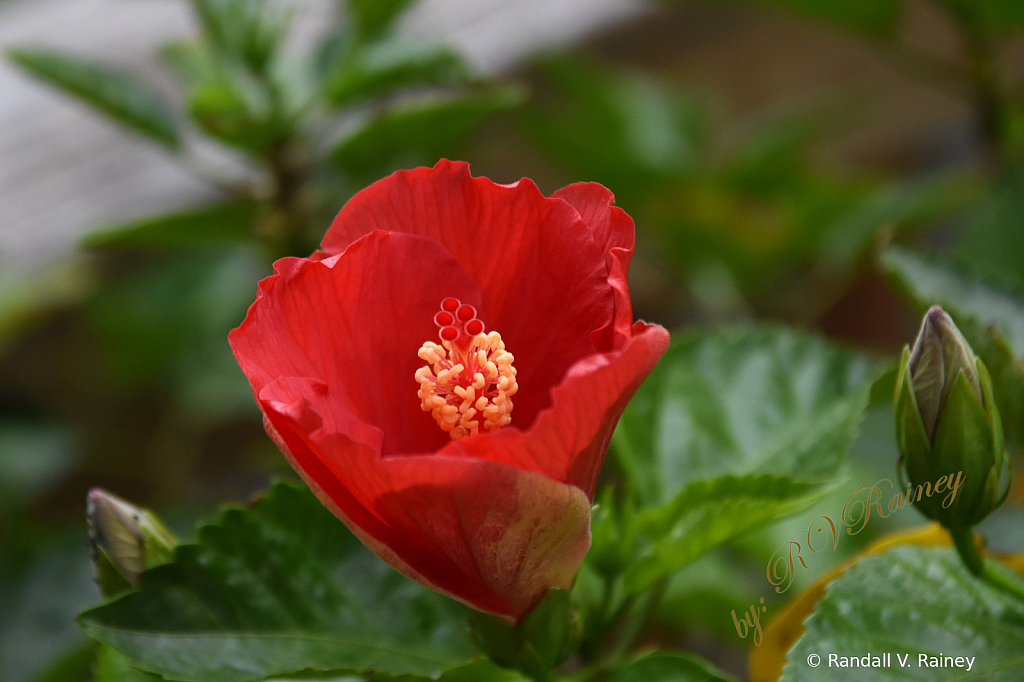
{"x": 355, "y": 323}
{"x": 543, "y": 279}
{"x": 330, "y": 346}
{"x": 568, "y": 441}
{"x": 611, "y": 226}
{"x": 615, "y": 232}
{"x": 489, "y": 535}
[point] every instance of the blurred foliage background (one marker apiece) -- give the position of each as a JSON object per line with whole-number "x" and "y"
{"x": 827, "y": 166}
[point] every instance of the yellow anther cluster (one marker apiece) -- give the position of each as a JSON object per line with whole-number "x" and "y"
{"x": 458, "y": 387}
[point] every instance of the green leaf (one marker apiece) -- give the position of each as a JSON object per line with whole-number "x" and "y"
{"x": 192, "y": 61}
{"x": 732, "y": 431}
{"x": 668, "y": 667}
{"x": 901, "y": 205}
{"x": 111, "y": 666}
{"x": 392, "y": 64}
{"x": 716, "y": 583}
{"x": 930, "y": 282}
{"x": 279, "y": 587}
{"x": 648, "y": 133}
{"x": 992, "y": 242}
{"x": 884, "y": 387}
{"x": 912, "y": 601}
{"x": 235, "y": 104}
{"x": 741, "y": 401}
{"x": 238, "y": 110}
{"x": 372, "y": 16}
{"x": 215, "y": 224}
{"x": 710, "y": 215}
{"x": 113, "y": 93}
{"x": 44, "y": 581}
{"x": 166, "y": 324}
{"x": 249, "y": 30}
{"x": 709, "y": 513}
{"x": 419, "y": 133}
{"x": 477, "y": 671}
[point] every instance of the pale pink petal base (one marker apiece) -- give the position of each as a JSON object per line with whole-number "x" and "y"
{"x": 491, "y": 536}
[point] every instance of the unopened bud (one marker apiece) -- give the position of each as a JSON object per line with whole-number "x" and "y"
{"x": 940, "y": 354}
{"x": 948, "y": 426}
{"x": 125, "y": 540}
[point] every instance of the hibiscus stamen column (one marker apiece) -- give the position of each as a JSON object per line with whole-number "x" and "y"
{"x": 469, "y": 376}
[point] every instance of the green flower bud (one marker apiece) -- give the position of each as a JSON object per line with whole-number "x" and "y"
{"x": 947, "y": 426}
{"x": 125, "y": 541}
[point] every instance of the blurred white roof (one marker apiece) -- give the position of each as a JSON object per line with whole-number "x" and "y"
{"x": 65, "y": 170}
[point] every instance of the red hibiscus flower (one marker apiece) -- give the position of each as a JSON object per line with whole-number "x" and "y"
{"x": 386, "y": 366}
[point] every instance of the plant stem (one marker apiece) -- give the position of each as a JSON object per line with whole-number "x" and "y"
{"x": 963, "y": 538}
{"x": 998, "y": 579}
{"x": 596, "y": 627}
{"x": 986, "y": 570}
{"x": 636, "y": 624}
{"x": 288, "y": 178}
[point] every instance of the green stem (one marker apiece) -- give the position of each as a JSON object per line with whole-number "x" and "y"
{"x": 287, "y": 200}
{"x": 596, "y": 627}
{"x": 636, "y": 624}
{"x": 964, "y": 540}
{"x": 998, "y": 579}
{"x": 986, "y": 570}
{"x": 606, "y": 598}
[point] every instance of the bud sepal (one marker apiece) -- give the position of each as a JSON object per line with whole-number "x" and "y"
{"x": 954, "y": 444}
{"x": 125, "y": 541}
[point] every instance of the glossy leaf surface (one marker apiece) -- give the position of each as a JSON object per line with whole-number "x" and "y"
{"x": 280, "y": 587}
{"x": 732, "y": 431}
{"x": 912, "y": 601}
{"x": 739, "y": 402}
